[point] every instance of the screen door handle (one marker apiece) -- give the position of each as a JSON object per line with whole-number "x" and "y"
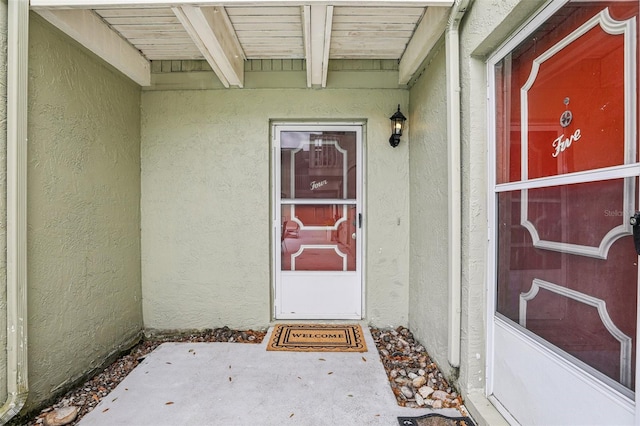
{"x": 635, "y": 222}
{"x": 359, "y": 220}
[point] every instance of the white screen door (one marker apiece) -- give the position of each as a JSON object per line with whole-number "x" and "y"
{"x": 317, "y": 221}
{"x": 564, "y": 326}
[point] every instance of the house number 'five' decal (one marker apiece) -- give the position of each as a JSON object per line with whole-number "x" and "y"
{"x": 561, "y": 142}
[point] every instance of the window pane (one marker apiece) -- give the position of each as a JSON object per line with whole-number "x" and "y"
{"x": 585, "y": 306}
{"x": 317, "y": 165}
{"x": 318, "y": 238}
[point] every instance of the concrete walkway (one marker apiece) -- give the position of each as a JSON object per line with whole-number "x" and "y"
{"x": 244, "y": 384}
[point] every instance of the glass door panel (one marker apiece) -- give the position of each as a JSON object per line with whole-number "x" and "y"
{"x": 318, "y": 237}
{"x": 318, "y": 165}
{"x": 318, "y": 169}
{"x": 583, "y": 305}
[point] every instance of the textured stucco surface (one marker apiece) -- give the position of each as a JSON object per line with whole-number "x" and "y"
{"x": 487, "y": 24}
{"x": 3, "y": 199}
{"x": 83, "y": 218}
{"x": 428, "y": 296}
{"x": 206, "y": 202}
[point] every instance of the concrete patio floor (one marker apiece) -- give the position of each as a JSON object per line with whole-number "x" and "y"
{"x": 244, "y": 384}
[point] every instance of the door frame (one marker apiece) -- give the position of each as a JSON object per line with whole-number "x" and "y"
{"x": 276, "y": 126}
{"x": 498, "y": 330}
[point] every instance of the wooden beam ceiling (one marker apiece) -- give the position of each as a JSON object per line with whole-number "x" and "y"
{"x": 317, "y": 31}
{"x": 211, "y": 30}
{"x": 429, "y": 31}
{"x": 90, "y": 31}
{"x": 129, "y": 33}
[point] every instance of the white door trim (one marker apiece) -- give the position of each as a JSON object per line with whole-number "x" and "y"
{"x": 360, "y": 129}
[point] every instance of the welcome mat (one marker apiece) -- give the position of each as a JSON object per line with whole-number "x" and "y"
{"x": 434, "y": 419}
{"x": 317, "y": 338}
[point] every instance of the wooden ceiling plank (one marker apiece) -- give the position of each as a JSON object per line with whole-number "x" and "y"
{"x": 276, "y": 20}
{"x": 268, "y": 26}
{"x": 122, "y": 29}
{"x": 385, "y": 11}
{"x": 141, "y": 20}
{"x": 368, "y": 34}
{"x": 88, "y": 29}
{"x": 157, "y": 35}
{"x": 112, "y": 13}
{"x": 263, "y": 11}
{"x": 211, "y": 30}
{"x": 166, "y": 42}
{"x": 363, "y": 26}
{"x": 244, "y": 35}
{"x": 430, "y": 29}
{"x": 370, "y": 19}
{"x": 177, "y": 56}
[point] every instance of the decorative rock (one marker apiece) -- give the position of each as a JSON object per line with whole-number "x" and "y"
{"x": 421, "y": 372}
{"x": 437, "y": 404}
{"x": 425, "y": 391}
{"x": 61, "y": 416}
{"x": 439, "y": 395}
{"x": 419, "y": 400}
{"x": 412, "y": 375}
{"x": 406, "y": 391}
{"x": 419, "y": 381}
{"x": 402, "y": 381}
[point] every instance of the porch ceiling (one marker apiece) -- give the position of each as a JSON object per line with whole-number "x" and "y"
{"x": 130, "y": 33}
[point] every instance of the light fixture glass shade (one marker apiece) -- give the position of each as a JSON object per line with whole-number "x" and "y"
{"x": 397, "y": 125}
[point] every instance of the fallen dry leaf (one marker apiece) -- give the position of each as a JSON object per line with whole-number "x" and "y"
{"x": 105, "y": 410}
{"x": 364, "y": 359}
{"x": 330, "y": 372}
{"x": 168, "y": 403}
{"x": 291, "y": 415}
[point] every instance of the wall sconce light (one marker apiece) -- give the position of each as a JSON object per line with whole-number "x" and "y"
{"x": 397, "y": 124}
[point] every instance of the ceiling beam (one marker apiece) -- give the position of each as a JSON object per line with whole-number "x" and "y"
{"x": 91, "y": 32}
{"x": 317, "y": 21}
{"x": 212, "y": 31}
{"x": 97, "y": 4}
{"x": 429, "y": 31}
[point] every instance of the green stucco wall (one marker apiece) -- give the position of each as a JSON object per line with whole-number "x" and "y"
{"x": 486, "y": 24}
{"x": 428, "y": 297}
{"x": 84, "y": 292}
{"x": 3, "y": 199}
{"x": 206, "y": 202}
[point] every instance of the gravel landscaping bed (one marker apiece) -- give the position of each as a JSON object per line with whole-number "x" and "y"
{"x": 413, "y": 376}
